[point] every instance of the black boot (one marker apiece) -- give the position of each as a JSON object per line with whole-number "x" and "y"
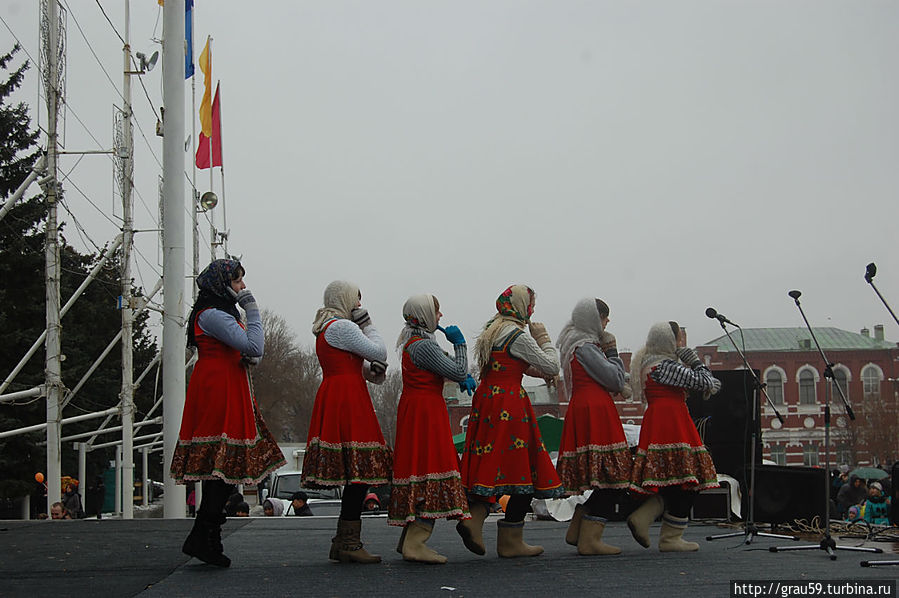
{"x": 205, "y": 541}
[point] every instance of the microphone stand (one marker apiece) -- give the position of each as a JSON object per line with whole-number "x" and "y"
{"x": 827, "y": 543}
{"x": 870, "y": 272}
{"x": 750, "y": 528}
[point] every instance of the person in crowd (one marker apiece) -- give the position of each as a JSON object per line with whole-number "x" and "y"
{"x": 345, "y": 446}
{"x": 223, "y": 440}
{"x": 371, "y": 504}
{"x": 273, "y": 507}
{"x": 231, "y": 506}
{"x": 72, "y": 500}
{"x": 852, "y": 492}
{"x": 671, "y": 465}
{"x": 877, "y": 505}
{"x": 94, "y": 498}
{"x": 427, "y": 484}
{"x": 192, "y": 502}
{"x": 58, "y": 511}
{"x": 299, "y": 505}
{"x": 504, "y": 451}
{"x": 242, "y": 510}
{"x": 593, "y": 453}
{"x": 838, "y": 478}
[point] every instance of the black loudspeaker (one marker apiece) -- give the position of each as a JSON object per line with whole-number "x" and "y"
{"x": 724, "y": 422}
{"x": 783, "y": 494}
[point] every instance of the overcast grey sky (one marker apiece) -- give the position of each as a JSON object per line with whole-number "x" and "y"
{"x": 666, "y": 156}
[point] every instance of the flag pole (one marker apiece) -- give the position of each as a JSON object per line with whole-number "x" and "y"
{"x": 222, "y": 170}
{"x": 195, "y": 214}
{"x": 194, "y": 193}
{"x": 211, "y": 185}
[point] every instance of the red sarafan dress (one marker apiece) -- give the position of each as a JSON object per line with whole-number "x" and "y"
{"x": 593, "y": 452}
{"x": 504, "y": 452}
{"x": 670, "y": 452}
{"x": 345, "y": 444}
{"x": 222, "y": 433}
{"x": 426, "y": 478}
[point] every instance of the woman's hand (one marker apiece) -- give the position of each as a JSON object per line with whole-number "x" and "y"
{"x": 681, "y": 337}
{"x": 539, "y": 333}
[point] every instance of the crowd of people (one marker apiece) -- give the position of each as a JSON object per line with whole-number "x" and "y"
{"x": 857, "y": 500}
{"x": 224, "y": 441}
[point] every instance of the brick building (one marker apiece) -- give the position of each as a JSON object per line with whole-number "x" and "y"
{"x": 791, "y": 366}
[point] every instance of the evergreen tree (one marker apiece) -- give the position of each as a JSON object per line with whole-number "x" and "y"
{"x": 87, "y": 328}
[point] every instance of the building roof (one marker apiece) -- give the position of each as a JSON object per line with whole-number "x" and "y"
{"x": 798, "y": 339}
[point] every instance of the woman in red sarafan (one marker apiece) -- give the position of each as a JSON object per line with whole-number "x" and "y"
{"x": 671, "y": 464}
{"x": 345, "y": 446}
{"x": 593, "y": 454}
{"x": 223, "y": 440}
{"x": 504, "y": 452}
{"x": 427, "y": 484}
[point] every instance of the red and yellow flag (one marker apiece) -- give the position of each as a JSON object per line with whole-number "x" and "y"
{"x": 214, "y": 140}
{"x": 205, "y": 62}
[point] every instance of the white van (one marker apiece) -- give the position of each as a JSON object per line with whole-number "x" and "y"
{"x": 282, "y": 484}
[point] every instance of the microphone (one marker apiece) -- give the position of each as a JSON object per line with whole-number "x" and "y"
{"x": 870, "y": 271}
{"x": 711, "y": 313}
{"x": 795, "y": 294}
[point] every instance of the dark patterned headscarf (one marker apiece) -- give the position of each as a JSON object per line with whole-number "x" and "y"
{"x": 214, "y": 282}
{"x": 515, "y": 306}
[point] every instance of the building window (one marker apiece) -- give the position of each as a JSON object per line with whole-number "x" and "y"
{"x": 779, "y": 453}
{"x": 775, "y": 387}
{"x": 810, "y": 455}
{"x": 806, "y": 387}
{"x": 842, "y": 380}
{"x": 844, "y": 454}
{"x": 464, "y": 424}
{"x": 871, "y": 378}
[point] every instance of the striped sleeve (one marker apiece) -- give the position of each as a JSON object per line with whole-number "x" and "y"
{"x": 673, "y": 373}
{"x": 428, "y": 355}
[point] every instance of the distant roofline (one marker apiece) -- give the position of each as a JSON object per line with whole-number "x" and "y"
{"x": 786, "y": 339}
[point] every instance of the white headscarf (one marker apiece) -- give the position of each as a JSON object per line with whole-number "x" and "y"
{"x": 277, "y": 506}
{"x": 660, "y": 345}
{"x": 584, "y": 327}
{"x": 513, "y": 306}
{"x": 340, "y": 298}
{"x": 420, "y": 314}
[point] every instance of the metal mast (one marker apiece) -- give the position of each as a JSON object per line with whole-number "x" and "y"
{"x": 127, "y": 184}
{"x": 54, "y": 52}
{"x": 173, "y": 245}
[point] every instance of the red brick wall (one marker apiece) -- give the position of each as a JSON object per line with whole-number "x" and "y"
{"x": 796, "y": 431}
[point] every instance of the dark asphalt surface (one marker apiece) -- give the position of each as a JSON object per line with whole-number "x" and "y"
{"x": 288, "y": 557}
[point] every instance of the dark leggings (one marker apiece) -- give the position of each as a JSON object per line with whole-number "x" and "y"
{"x": 351, "y": 503}
{"x": 602, "y": 502}
{"x": 215, "y": 495}
{"x": 678, "y": 501}
{"x": 517, "y": 507}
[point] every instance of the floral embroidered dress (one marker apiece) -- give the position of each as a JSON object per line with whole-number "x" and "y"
{"x": 222, "y": 433}
{"x": 670, "y": 451}
{"x": 345, "y": 443}
{"x": 593, "y": 452}
{"x": 504, "y": 451}
{"x": 426, "y": 479}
